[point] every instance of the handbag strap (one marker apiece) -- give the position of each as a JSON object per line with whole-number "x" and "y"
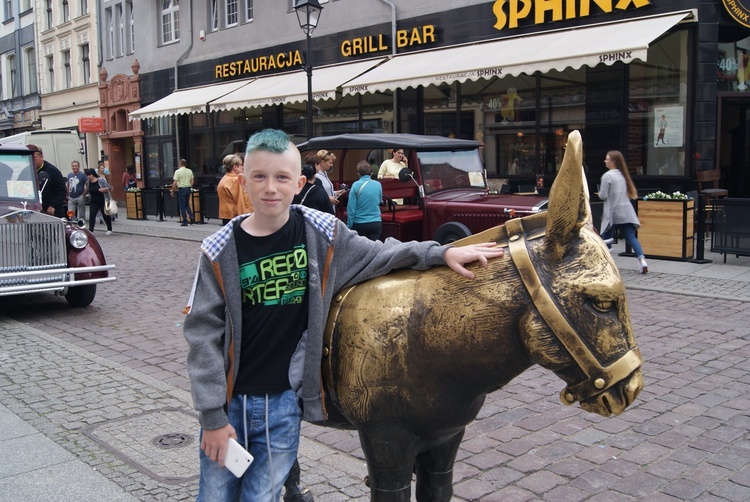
{"x": 302, "y": 202}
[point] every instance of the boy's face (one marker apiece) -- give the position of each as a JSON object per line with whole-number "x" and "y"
{"x": 273, "y": 180}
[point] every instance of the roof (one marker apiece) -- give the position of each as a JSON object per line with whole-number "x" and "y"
{"x": 387, "y": 140}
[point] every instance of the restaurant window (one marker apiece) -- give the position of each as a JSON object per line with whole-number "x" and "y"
{"x": 160, "y": 161}
{"x": 248, "y": 10}
{"x": 657, "y": 104}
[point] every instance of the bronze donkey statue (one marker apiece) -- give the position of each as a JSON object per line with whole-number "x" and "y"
{"x": 410, "y": 357}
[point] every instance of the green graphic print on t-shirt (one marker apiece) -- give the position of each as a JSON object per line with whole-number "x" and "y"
{"x": 278, "y": 279}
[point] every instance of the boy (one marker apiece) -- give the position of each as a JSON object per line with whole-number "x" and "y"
{"x": 257, "y": 313}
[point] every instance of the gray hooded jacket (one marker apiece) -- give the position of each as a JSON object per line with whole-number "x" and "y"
{"x": 337, "y": 258}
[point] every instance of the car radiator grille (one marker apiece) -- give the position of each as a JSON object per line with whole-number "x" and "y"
{"x": 479, "y": 222}
{"x": 28, "y": 247}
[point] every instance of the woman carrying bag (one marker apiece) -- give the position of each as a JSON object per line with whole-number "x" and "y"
{"x": 100, "y": 197}
{"x": 616, "y": 189}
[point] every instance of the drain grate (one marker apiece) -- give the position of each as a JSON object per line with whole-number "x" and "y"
{"x": 152, "y": 442}
{"x": 172, "y": 440}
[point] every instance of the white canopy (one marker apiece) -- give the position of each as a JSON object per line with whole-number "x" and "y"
{"x": 603, "y": 43}
{"x": 191, "y": 100}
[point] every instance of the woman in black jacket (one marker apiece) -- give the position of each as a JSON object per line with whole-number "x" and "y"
{"x": 311, "y": 194}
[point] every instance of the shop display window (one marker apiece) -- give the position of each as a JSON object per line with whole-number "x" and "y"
{"x": 657, "y": 103}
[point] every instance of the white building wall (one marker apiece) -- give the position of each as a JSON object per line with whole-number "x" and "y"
{"x": 65, "y": 100}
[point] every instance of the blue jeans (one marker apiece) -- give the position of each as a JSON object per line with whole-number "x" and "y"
{"x": 628, "y": 230}
{"x": 217, "y": 484}
{"x": 183, "y": 202}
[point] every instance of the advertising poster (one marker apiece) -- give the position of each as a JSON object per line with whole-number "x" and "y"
{"x": 668, "y": 130}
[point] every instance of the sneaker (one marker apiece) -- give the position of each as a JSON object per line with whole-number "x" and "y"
{"x": 109, "y": 232}
{"x": 183, "y": 224}
{"x": 643, "y": 265}
{"x": 609, "y": 241}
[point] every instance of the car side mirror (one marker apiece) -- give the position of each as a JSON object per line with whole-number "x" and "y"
{"x": 405, "y": 175}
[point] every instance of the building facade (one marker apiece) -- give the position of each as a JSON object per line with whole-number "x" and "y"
{"x": 20, "y": 101}
{"x": 67, "y": 44}
{"x": 661, "y": 80}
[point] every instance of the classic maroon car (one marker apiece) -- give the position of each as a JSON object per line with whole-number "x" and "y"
{"x": 39, "y": 252}
{"x": 443, "y": 195}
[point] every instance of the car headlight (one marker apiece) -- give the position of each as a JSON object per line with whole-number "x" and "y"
{"x": 79, "y": 239}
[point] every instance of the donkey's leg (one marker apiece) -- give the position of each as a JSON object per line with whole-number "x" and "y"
{"x": 435, "y": 471}
{"x": 389, "y": 452}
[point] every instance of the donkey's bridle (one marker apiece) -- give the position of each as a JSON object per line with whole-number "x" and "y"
{"x": 598, "y": 378}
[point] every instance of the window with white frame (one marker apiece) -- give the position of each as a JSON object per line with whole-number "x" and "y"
{"x": 48, "y": 8}
{"x": 2, "y": 91}
{"x": 120, "y": 30}
{"x": 110, "y": 33}
{"x": 85, "y": 64}
{"x": 8, "y": 4}
{"x": 131, "y": 17}
{"x": 84, "y": 7}
{"x": 67, "y": 70}
{"x": 65, "y": 11}
{"x": 25, "y": 5}
{"x": 32, "y": 85}
{"x": 230, "y": 18}
{"x": 170, "y": 21}
{"x": 11, "y": 72}
{"x": 248, "y": 10}
{"x": 51, "y": 73}
{"x": 214, "y": 19}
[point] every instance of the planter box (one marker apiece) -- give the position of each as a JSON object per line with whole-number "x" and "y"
{"x": 134, "y": 205}
{"x": 667, "y": 228}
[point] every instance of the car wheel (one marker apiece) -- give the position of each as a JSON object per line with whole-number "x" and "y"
{"x": 451, "y": 232}
{"x": 81, "y": 296}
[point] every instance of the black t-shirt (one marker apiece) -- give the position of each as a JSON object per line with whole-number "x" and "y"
{"x": 273, "y": 278}
{"x": 97, "y": 197}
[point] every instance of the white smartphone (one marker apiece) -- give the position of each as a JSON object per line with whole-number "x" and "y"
{"x": 237, "y": 459}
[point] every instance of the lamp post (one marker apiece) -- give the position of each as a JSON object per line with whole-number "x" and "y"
{"x": 308, "y": 13}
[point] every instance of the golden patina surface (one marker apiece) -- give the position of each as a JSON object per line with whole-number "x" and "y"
{"x": 411, "y": 355}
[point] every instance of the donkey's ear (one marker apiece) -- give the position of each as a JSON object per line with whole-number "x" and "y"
{"x": 568, "y": 209}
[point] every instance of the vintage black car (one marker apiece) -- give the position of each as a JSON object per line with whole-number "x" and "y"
{"x": 39, "y": 252}
{"x": 442, "y": 196}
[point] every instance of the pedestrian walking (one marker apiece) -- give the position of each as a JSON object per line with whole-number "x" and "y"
{"x": 77, "y": 190}
{"x": 183, "y": 184}
{"x": 256, "y": 314}
{"x": 616, "y": 189}
{"x": 99, "y": 196}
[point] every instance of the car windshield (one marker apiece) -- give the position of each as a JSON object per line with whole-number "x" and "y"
{"x": 451, "y": 169}
{"x": 17, "y": 178}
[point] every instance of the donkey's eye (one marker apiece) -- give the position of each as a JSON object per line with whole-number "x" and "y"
{"x": 603, "y": 306}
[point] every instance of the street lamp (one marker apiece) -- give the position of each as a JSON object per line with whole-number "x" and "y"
{"x": 308, "y": 13}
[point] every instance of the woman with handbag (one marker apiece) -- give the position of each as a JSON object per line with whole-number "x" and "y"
{"x": 100, "y": 199}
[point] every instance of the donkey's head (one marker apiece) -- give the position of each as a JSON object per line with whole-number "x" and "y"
{"x": 579, "y": 325}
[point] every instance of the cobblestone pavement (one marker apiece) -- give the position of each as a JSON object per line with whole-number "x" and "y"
{"x": 89, "y": 378}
